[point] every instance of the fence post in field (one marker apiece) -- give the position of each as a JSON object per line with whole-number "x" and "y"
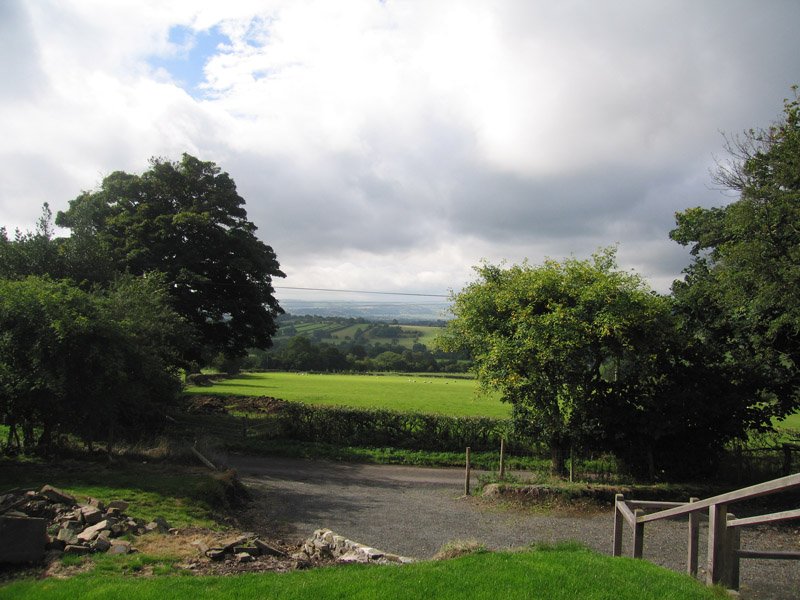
{"x": 502, "y": 457}
{"x": 717, "y": 525}
{"x": 694, "y": 540}
{"x": 466, "y": 475}
{"x": 638, "y": 535}
{"x": 618, "y": 524}
{"x": 571, "y": 464}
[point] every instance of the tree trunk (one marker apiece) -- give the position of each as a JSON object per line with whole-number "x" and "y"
{"x": 558, "y": 453}
{"x": 651, "y": 463}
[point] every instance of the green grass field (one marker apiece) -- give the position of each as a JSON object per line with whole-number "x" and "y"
{"x": 790, "y": 422}
{"x": 403, "y": 393}
{"x": 558, "y": 574}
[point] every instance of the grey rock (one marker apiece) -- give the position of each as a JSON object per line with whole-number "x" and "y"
{"x": 57, "y": 495}
{"x": 215, "y": 554}
{"x": 100, "y": 544}
{"x": 68, "y": 536}
{"x": 118, "y": 549}
{"x": 91, "y": 514}
{"x": 93, "y": 531}
{"x": 268, "y": 549}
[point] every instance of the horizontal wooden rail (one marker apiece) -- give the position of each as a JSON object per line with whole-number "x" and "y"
{"x": 757, "y": 520}
{"x": 652, "y": 504}
{"x": 771, "y": 554}
{"x": 754, "y": 491}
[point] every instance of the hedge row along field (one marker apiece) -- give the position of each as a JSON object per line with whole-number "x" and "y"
{"x": 401, "y": 393}
{"x": 379, "y": 428}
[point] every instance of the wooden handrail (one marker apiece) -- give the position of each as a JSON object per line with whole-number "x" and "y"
{"x": 652, "y": 504}
{"x": 770, "y": 554}
{"x": 724, "y": 552}
{"x": 759, "y": 519}
{"x": 630, "y": 517}
{"x": 754, "y": 491}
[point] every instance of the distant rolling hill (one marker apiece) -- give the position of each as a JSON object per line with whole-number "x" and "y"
{"x": 402, "y": 312}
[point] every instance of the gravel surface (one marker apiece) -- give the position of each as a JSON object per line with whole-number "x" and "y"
{"x": 413, "y": 511}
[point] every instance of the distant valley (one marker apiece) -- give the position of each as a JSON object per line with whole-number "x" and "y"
{"x": 402, "y": 312}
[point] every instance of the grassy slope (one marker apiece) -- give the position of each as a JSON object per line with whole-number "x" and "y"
{"x": 563, "y": 574}
{"x": 415, "y": 393}
{"x": 182, "y": 496}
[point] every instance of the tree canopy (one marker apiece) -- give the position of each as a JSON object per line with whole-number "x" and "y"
{"x": 97, "y": 364}
{"x": 558, "y": 338}
{"x": 186, "y": 220}
{"x": 744, "y": 282}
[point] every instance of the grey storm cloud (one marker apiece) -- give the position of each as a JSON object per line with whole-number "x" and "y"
{"x": 400, "y": 143}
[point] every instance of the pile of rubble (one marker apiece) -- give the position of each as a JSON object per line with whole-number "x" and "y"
{"x": 325, "y": 545}
{"x": 242, "y": 549}
{"x": 44, "y": 524}
{"x": 32, "y": 523}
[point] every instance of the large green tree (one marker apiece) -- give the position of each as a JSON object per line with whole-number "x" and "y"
{"x": 186, "y": 220}
{"x": 560, "y": 341}
{"x": 96, "y": 364}
{"x": 741, "y": 290}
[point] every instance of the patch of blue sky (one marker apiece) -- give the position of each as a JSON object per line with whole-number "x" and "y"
{"x": 191, "y": 52}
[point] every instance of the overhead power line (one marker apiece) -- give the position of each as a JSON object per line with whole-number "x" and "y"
{"x": 310, "y": 289}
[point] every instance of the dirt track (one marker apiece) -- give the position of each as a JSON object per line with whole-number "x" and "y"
{"x": 413, "y": 511}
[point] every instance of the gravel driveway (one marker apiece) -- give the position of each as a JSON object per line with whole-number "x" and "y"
{"x": 413, "y": 511}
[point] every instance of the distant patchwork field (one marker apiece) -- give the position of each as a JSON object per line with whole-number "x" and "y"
{"x": 334, "y": 332}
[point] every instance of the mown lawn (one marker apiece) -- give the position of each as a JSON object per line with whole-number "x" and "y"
{"x": 403, "y": 393}
{"x": 560, "y": 574}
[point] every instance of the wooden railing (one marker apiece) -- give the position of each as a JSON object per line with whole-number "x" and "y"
{"x": 724, "y": 550}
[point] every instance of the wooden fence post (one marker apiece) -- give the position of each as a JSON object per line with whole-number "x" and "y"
{"x": 502, "y": 457}
{"x": 638, "y": 535}
{"x": 731, "y": 548}
{"x": 694, "y": 540}
{"x": 717, "y": 525}
{"x": 571, "y": 464}
{"x": 466, "y": 476}
{"x": 787, "y": 459}
{"x": 618, "y": 525}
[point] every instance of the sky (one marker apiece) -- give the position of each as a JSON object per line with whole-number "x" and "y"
{"x": 392, "y": 146}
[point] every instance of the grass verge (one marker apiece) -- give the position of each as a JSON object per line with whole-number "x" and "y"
{"x": 183, "y": 496}
{"x": 552, "y": 574}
